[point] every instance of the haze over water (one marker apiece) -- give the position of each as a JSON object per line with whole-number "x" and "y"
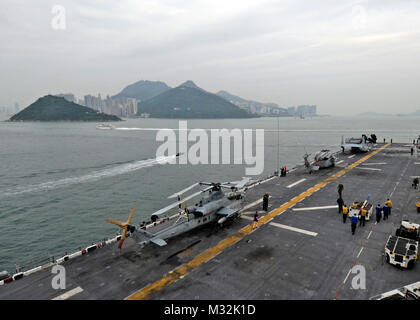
{"x": 60, "y": 181}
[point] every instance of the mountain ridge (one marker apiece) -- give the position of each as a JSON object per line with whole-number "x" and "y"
{"x": 190, "y": 101}
{"x": 253, "y": 106}
{"x": 143, "y": 90}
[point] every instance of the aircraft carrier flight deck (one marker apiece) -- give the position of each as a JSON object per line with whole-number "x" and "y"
{"x": 300, "y": 250}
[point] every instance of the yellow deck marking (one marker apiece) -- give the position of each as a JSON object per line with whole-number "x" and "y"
{"x": 210, "y": 253}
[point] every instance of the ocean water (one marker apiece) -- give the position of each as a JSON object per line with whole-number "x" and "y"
{"x": 60, "y": 181}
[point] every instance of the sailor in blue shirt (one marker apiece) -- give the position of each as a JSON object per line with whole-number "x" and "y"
{"x": 378, "y": 213}
{"x": 354, "y": 219}
{"x": 386, "y": 211}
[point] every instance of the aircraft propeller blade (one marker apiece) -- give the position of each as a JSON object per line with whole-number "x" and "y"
{"x": 116, "y": 222}
{"x": 123, "y": 225}
{"x": 122, "y": 238}
{"x": 131, "y": 215}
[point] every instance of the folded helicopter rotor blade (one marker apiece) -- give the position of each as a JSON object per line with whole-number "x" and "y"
{"x": 176, "y": 204}
{"x": 205, "y": 183}
{"x": 194, "y": 194}
{"x": 242, "y": 183}
{"x": 167, "y": 208}
{"x": 183, "y": 191}
{"x": 235, "y": 184}
{"x": 228, "y": 186}
{"x": 206, "y": 189}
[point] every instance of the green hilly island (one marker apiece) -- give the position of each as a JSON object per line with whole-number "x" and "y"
{"x": 52, "y": 108}
{"x": 190, "y": 101}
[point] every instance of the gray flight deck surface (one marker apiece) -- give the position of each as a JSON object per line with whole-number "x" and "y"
{"x": 272, "y": 262}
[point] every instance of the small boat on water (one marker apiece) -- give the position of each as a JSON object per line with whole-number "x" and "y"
{"x": 105, "y": 127}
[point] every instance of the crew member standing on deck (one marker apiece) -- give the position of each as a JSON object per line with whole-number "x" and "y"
{"x": 340, "y": 190}
{"x": 415, "y": 182}
{"x": 340, "y": 205}
{"x": 386, "y": 211}
{"x": 389, "y": 204}
{"x": 265, "y": 202}
{"x": 353, "y": 220}
{"x": 345, "y": 212}
{"x": 378, "y": 213}
{"x": 255, "y": 224}
{"x": 363, "y": 213}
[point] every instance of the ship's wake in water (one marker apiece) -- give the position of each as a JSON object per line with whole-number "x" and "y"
{"x": 148, "y": 129}
{"x": 90, "y": 177}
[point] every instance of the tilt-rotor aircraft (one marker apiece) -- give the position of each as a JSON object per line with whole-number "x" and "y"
{"x": 216, "y": 205}
{"x": 363, "y": 144}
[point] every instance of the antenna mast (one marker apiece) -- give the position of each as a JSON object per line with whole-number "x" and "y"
{"x": 278, "y": 145}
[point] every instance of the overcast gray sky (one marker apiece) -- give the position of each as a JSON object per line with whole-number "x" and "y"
{"x": 345, "y": 56}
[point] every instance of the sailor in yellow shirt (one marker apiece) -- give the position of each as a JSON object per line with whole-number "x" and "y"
{"x": 389, "y": 204}
{"x": 345, "y": 212}
{"x": 363, "y": 213}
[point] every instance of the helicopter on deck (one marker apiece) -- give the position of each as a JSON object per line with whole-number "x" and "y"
{"x": 216, "y": 205}
{"x": 322, "y": 159}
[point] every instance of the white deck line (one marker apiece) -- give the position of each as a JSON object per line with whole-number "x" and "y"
{"x": 316, "y": 208}
{"x": 340, "y": 161}
{"x": 348, "y": 273}
{"x": 351, "y": 156}
{"x": 373, "y": 163}
{"x": 374, "y": 169}
{"x": 68, "y": 294}
{"x": 358, "y": 255}
{"x": 310, "y": 233}
{"x": 278, "y": 225}
{"x": 297, "y": 182}
{"x": 361, "y": 249}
